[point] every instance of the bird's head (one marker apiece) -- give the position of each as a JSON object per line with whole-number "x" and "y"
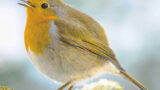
{"x": 40, "y": 9}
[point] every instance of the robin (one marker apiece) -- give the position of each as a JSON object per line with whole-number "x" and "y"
{"x": 67, "y": 45}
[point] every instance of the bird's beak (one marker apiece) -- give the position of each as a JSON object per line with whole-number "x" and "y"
{"x": 26, "y": 4}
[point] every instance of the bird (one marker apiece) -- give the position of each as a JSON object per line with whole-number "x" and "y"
{"x": 67, "y": 45}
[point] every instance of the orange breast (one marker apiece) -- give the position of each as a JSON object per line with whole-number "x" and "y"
{"x": 37, "y": 36}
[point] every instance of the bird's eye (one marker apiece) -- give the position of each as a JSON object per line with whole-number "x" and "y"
{"x": 44, "y": 5}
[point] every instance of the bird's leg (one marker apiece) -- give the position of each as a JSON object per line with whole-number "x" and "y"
{"x": 65, "y": 85}
{"x": 70, "y": 88}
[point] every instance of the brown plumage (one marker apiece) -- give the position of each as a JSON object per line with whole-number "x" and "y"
{"x": 71, "y": 47}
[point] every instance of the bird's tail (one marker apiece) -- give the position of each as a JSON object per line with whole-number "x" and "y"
{"x": 133, "y": 81}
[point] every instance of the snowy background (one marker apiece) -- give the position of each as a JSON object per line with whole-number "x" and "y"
{"x": 132, "y": 26}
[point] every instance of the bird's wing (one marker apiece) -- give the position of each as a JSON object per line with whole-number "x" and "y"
{"x": 87, "y": 34}
{"x": 93, "y": 46}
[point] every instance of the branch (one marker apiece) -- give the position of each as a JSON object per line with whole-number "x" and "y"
{"x": 102, "y": 84}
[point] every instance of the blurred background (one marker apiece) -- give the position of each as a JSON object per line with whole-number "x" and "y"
{"x": 132, "y": 26}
